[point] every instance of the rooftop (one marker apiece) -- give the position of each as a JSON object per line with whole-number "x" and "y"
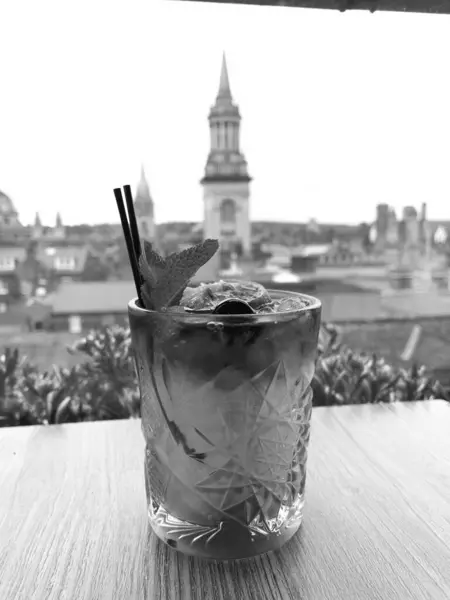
{"x": 16, "y": 252}
{"x": 93, "y": 297}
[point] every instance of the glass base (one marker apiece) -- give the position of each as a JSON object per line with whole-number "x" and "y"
{"x": 226, "y": 540}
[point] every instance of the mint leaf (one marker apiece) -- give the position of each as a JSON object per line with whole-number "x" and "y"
{"x": 180, "y": 268}
{"x": 154, "y": 259}
{"x": 146, "y": 295}
{"x": 177, "y": 298}
{"x": 148, "y": 274}
{"x": 166, "y": 279}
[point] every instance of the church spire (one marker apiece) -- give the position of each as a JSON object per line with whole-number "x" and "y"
{"x": 226, "y": 190}
{"x": 37, "y": 221}
{"x": 225, "y": 159}
{"x": 143, "y": 205}
{"x": 59, "y": 223}
{"x": 143, "y": 178}
{"x": 143, "y": 190}
{"x": 224, "y": 85}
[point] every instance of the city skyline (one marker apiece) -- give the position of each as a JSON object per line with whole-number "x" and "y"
{"x": 327, "y": 134}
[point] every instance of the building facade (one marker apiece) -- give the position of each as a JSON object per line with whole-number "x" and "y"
{"x": 226, "y": 182}
{"x": 35, "y": 259}
{"x": 81, "y": 306}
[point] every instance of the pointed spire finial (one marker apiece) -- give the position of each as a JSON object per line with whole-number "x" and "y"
{"x": 59, "y": 223}
{"x": 224, "y": 86}
{"x": 143, "y": 190}
{"x": 37, "y": 220}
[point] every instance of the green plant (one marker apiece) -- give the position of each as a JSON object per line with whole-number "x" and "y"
{"x": 346, "y": 377}
{"x": 104, "y": 384}
{"x": 109, "y": 374}
{"x": 9, "y": 386}
{"x": 102, "y": 387}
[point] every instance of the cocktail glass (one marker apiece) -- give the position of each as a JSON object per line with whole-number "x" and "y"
{"x": 226, "y": 407}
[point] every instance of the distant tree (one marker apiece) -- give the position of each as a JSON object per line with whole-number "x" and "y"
{"x": 364, "y": 235}
{"x": 95, "y": 269}
{"x": 118, "y": 261}
{"x": 330, "y": 235}
{"x": 239, "y": 249}
{"x": 31, "y": 270}
{"x": 298, "y": 237}
{"x": 287, "y": 231}
{"x": 258, "y": 254}
{"x": 196, "y": 237}
{"x": 447, "y": 252}
{"x": 80, "y": 230}
{"x": 15, "y": 289}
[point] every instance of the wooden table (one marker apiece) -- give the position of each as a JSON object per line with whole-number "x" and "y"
{"x": 377, "y": 519}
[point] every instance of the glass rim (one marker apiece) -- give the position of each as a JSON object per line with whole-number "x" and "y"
{"x": 196, "y": 317}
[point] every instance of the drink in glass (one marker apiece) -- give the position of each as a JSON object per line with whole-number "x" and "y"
{"x": 226, "y": 408}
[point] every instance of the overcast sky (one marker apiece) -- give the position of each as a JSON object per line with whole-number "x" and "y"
{"x": 340, "y": 111}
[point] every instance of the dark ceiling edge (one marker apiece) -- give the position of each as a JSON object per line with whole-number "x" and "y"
{"x": 406, "y": 6}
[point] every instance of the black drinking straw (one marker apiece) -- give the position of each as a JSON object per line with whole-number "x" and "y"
{"x": 132, "y": 220}
{"x": 129, "y": 242}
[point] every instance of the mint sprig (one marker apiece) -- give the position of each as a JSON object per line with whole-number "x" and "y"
{"x": 165, "y": 279}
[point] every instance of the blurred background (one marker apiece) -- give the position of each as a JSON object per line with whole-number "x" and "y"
{"x": 313, "y": 144}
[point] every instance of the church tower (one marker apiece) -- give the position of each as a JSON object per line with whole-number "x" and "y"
{"x": 144, "y": 210}
{"x": 226, "y": 182}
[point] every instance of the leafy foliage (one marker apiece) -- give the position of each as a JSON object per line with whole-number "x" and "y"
{"x": 96, "y": 268}
{"x": 346, "y": 377}
{"x": 101, "y": 387}
{"x": 104, "y": 385}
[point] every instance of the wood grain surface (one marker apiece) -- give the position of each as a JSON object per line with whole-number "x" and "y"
{"x": 377, "y": 519}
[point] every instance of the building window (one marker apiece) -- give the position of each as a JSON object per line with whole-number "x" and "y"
{"x": 3, "y": 307}
{"x": 75, "y": 324}
{"x": 219, "y": 136}
{"x": 225, "y": 135}
{"x": 228, "y": 211}
{"x": 3, "y": 288}
{"x": 64, "y": 263}
{"x": 7, "y": 263}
